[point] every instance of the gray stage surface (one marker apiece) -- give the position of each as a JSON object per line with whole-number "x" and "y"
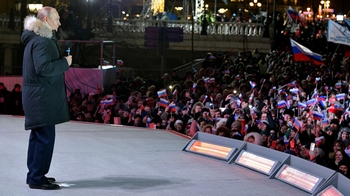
{"x": 96, "y": 159}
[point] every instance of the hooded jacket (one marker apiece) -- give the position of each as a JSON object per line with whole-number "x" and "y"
{"x": 257, "y": 138}
{"x": 43, "y": 90}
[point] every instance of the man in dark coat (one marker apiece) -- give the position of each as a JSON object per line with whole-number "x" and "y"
{"x": 44, "y": 94}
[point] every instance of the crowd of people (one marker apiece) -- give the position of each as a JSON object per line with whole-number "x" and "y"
{"x": 266, "y": 99}
{"x": 11, "y": 101}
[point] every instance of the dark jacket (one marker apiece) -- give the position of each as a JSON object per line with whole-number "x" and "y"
{"x": 43, "y": 91}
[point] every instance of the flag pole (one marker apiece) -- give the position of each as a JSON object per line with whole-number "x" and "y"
{"x": 335, "y": 49}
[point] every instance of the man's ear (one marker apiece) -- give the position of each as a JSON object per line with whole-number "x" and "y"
{"x": 45, "y": 18}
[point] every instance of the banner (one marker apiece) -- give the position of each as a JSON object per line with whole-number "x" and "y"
{"x": 338, "y": 34}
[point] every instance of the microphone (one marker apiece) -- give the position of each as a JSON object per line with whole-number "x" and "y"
{"x": 68, "y": 45}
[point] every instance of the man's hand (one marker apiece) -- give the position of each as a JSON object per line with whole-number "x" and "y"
{"x": 69, "y": 59}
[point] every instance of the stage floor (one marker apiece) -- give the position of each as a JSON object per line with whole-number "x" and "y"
{"x": 96, "y": 159}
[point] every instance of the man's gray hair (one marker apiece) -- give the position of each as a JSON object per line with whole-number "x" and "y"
{"x": 45, "y": 11}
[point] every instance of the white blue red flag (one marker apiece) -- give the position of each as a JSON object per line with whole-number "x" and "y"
{"x": 340, "y": 96}
{"x": 301, "y": 53}
{"x": 302, "y": 105}
{"x": 163, "y": 102}
{"x": 281, "y": 104}
{"x": 297, "y": 124}
{"x": 310, "y": 102}
{"x": 317, "y": 115}
{"x": 318, "y": 140}
{"x": 162, "y": 93}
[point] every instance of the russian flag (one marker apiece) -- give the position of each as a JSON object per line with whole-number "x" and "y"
{"x": 281, "y": 104}
{"x": 301, "y": 53}
{"x": 340, "y": 96}
{"x": 338, "y": 85}
{"x": 318, "y": 140}
{"x": 285, "y": 140}
{"x": 252, "y": 84}
{"x": 324, "y": 122}
{"x": 212, "y": 80}
{"x": 251, "y": 98}
{"x": 206, "y": 80}
{"x": 310, "y": 102}
{"x": 314, "y": 95}
{"x": 317, "y": 115}
{"x": 292, "y": 15}
{"x": 302, "y": 105}
{"x": 317, "y": 79}
{"x": 163, "y": 103}
{"x": 338, "y": 107}
{"x": 294, "y": 90}
{"x": 106, "y": 102}
{"x": 172, "y": 108}
{"x": 297, "y": 124}
{"x": 323, "y": 104}
{"x": 291, "y": 84}
{"x": 194, "y": 86}
{"x": 162, "y": 93}
{"x": 308, "y": 78}
{"x": 322, "y": 98}
{"x": 205, "y": 98}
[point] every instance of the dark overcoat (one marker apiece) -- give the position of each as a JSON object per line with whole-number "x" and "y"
{"x": 43, "y": 90}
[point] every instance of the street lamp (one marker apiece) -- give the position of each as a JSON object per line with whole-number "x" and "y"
{"x": 326, "y": 5}
{"x": 222, "y": 10}
{"x": 257, "y": 6}
{"x": 35, "y": 7}
{"x": 18, "y": 5}
{"x": 308, "y": 14}
{"x": 255, "y": 3}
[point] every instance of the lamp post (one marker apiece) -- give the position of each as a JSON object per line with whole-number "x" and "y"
{"x": 256, "y": 5}
{"x": 267, "y": 21}
{"x": 326, "y": 5}
{"x": 272, "y": 27}
{"x": 204, "y": 21}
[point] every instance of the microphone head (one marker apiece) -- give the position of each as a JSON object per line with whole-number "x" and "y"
{"x": 68, "y": 44}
